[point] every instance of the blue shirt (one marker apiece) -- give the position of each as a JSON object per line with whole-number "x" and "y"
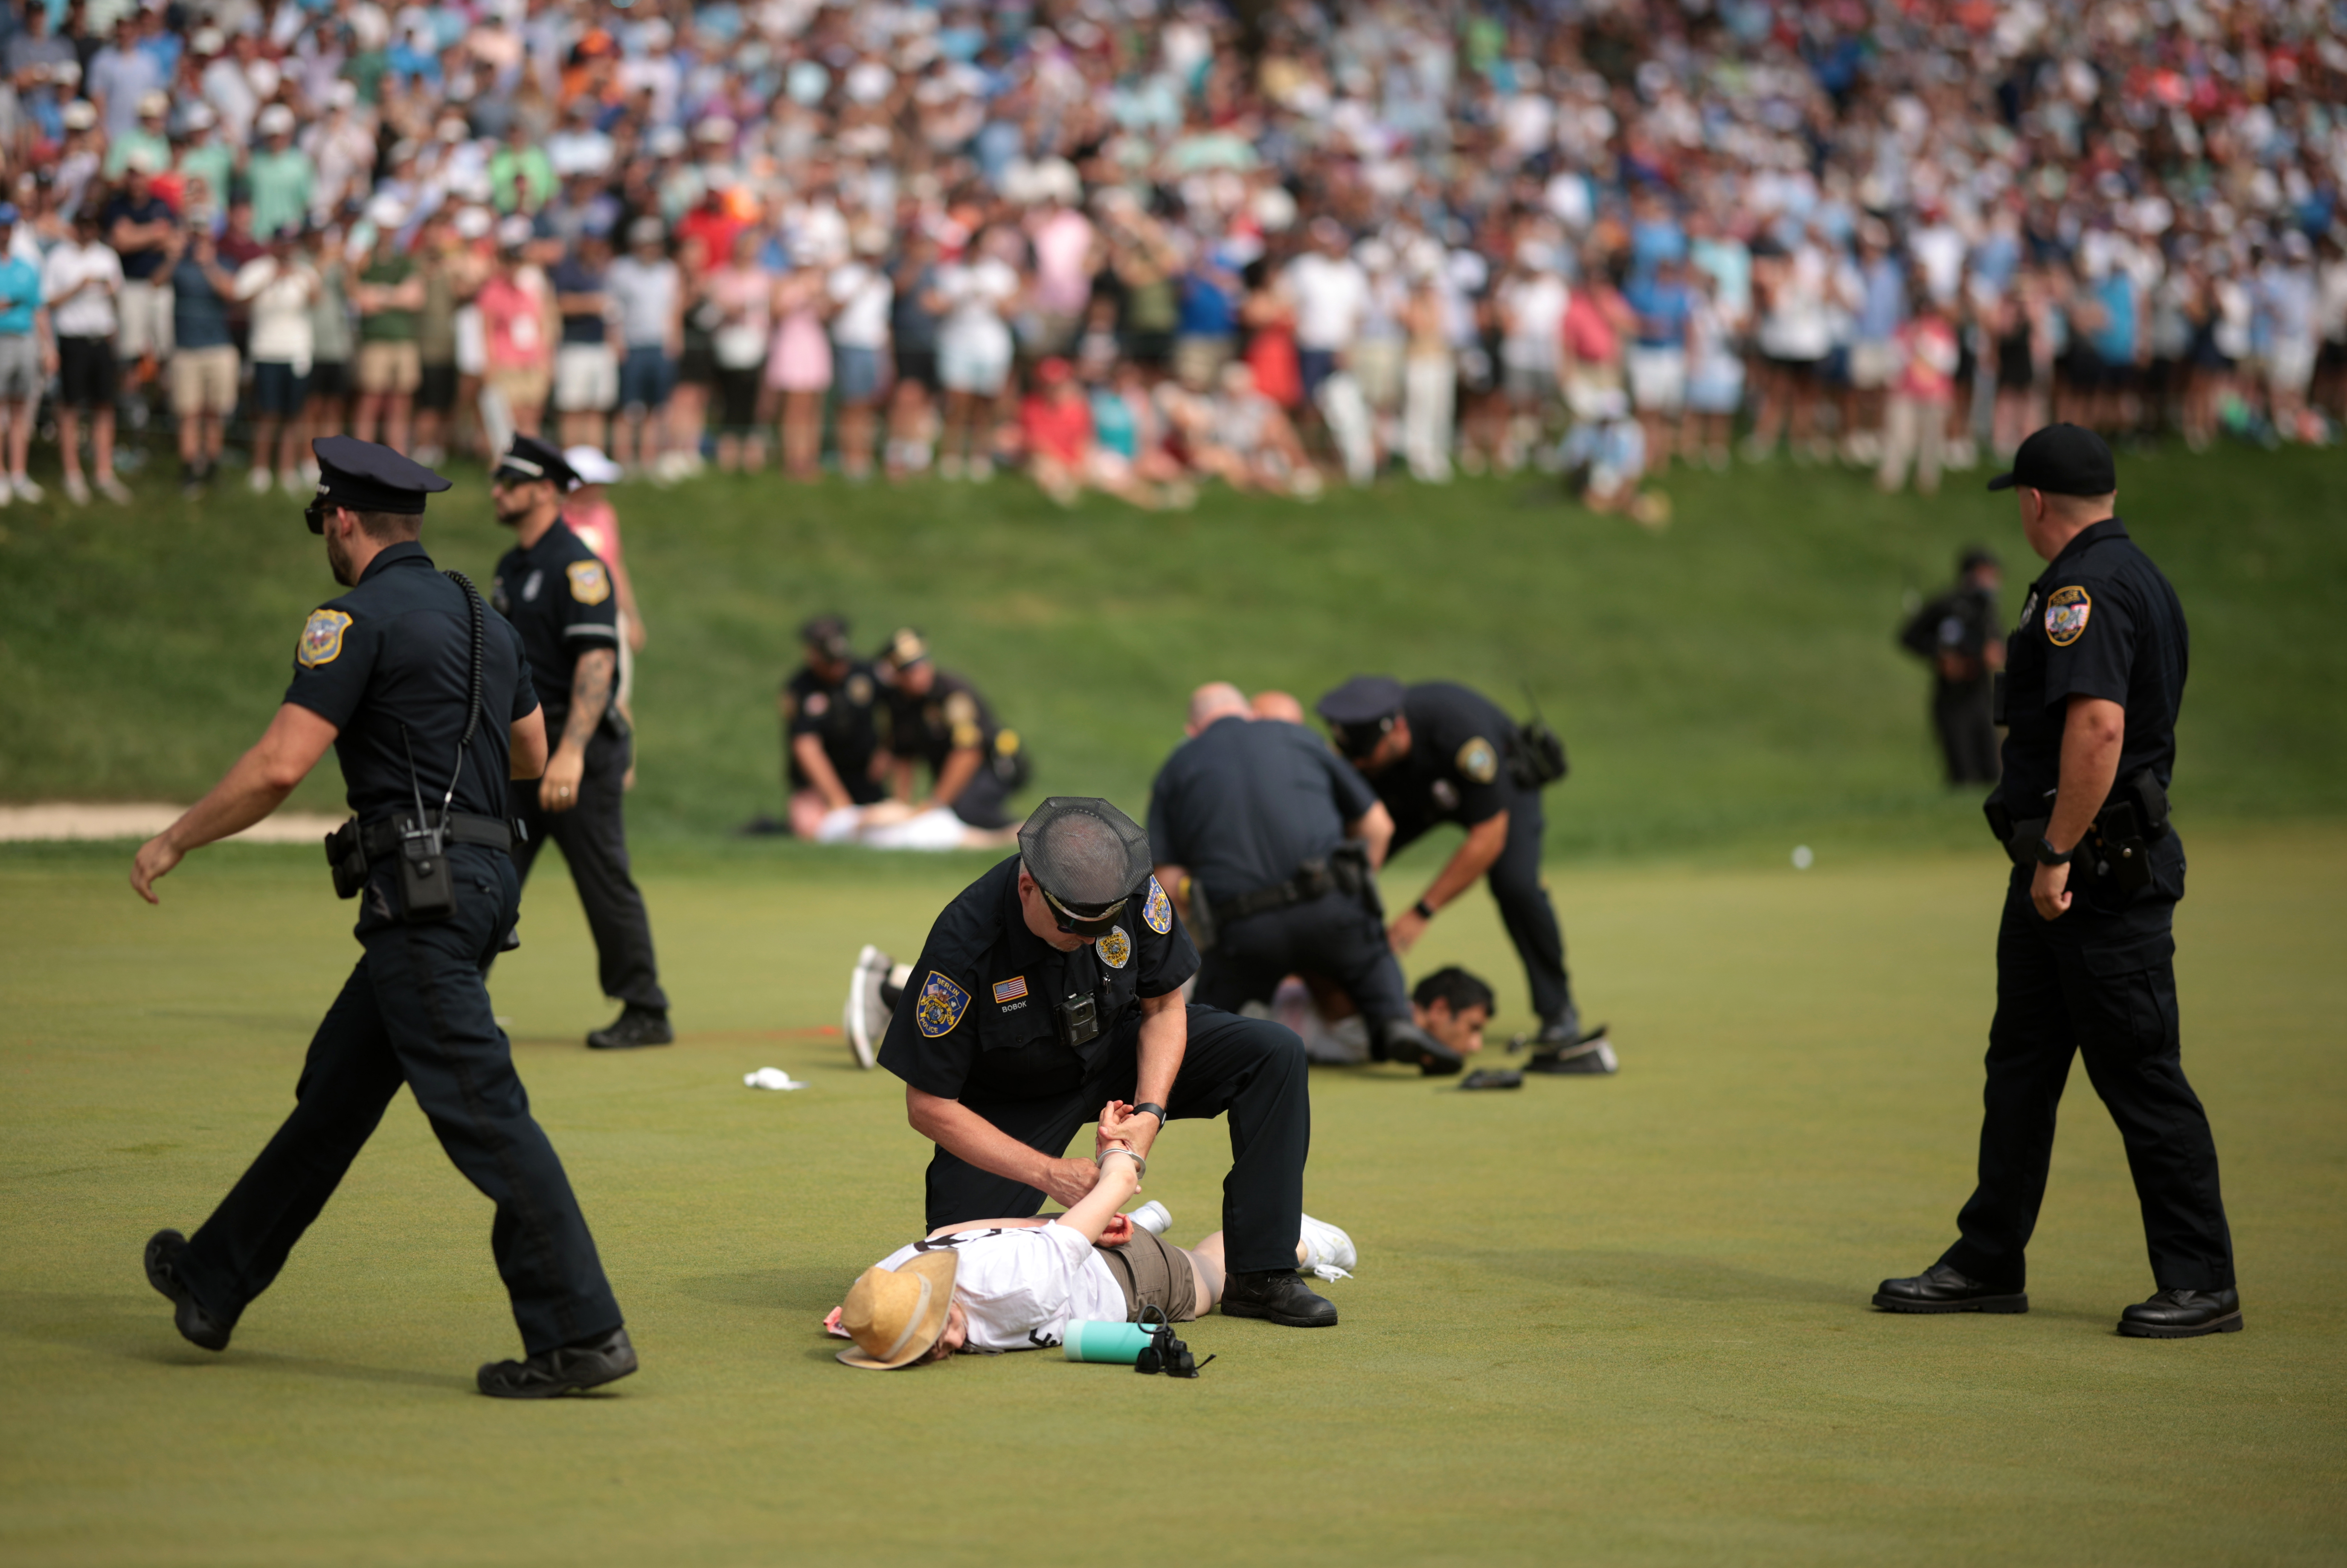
{"x": 2115, "y": 339}
{"x": 20, "y": 290}
{"x": 1663, "y": 310}
{"x": 1884, "y": 304}
{"x": 1208, "y": 310}
{"x": 198, "y": 315}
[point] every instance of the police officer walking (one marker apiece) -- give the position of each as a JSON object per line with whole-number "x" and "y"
{"x": 1275, "y": 840}
{"x": 427, "y": 702}
{"x": 830, "y": 736}
{"x": 2086, "y": 954}
{"x": 938, "y": 719}
{"x": 559, "y": 595}
{"x": 1440, "y": 753}
{"x": 1052, "y": 986}
{"x": 1958, "y": 633}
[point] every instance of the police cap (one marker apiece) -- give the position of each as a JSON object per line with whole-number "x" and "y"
{"x": 2062, "y": 460}
{"x": 828, "y": 635}
{"x": 530, "y": 459}
{"x": 362, "y": 476}
{"x": 1361, "y": 711}
{"x": 1977, "y": 556}
{"x": 1087, "y": 856}
{"x": 905, "y": 649}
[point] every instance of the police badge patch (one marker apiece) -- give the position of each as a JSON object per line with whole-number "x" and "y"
{"x": 322, "y": 638}
{"x": 1157, "y": 910}
{"x": 1115, "y": 948}
{"x": 2067, "y": 609}
{"x": 590, "y": 583}
{"x": 941, "y": 1007}
{"x": 1477, "y": 759}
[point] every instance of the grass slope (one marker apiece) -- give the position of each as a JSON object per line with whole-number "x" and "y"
{"x": 1616, "y": 1321}
{"x": 1730, "y": 680}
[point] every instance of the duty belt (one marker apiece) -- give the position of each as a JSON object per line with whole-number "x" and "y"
{"x": 1312, "y": 880}
{"x": 379, "y": 839}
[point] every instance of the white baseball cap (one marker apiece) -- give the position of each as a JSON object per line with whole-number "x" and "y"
{"x": 275, "y": 120}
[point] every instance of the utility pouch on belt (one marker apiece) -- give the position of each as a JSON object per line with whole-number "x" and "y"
{"x": 1077, "y": 1020}
{"x": 1537, "y": 758}
{"x": 428, "y": 889}
{"x": 2120, "y": 854}
{"x": 346, "y": 857}
{"x": 1201, "y": 921}
{"x": 1348, "y": 868}
{"x": 2019, "y": 835}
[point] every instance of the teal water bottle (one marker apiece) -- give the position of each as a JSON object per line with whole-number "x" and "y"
{"x": 1119, "y": 1342}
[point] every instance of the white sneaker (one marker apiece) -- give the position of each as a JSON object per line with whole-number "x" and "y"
{"x": 865, "y": 1019}
{"x": 1153, "y": 1217}
{"x": 257, "y": 478}
{"x": 1327, "y": 1251}
{"x": 77, "y": 489}
{"x": 114, "y": 490}
{"x": 26, "y": 490}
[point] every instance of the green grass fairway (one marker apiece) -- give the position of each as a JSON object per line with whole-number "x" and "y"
{"x": 1604, "y": 1321}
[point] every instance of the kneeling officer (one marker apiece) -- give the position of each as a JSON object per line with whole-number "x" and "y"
{"x": 1073, "y": 960}
{"x": 425, "y": 696}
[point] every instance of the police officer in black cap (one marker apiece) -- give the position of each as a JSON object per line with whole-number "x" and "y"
{"x": 1440, "y": 753}
{"x": 1276, "y": 840}
{"x": 938, "y": 719}
{"x": 1051, "y": 987}
{"x": 1959, "y": 633}
{"x": 558, "y": 592}
{"x": 831, "y": 738}
{"x": 426, "y": 698}
{"x": 2084, "y": 956}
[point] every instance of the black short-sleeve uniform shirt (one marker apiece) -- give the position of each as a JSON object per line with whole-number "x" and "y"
{"x": 1245, "y": 802}
{"x": 1959, "y": 622}
{"x": 2101, "y": 621}
{"x": 558, "y": 594}
{"x": 950, "y": 717}
{"x": 1457, "y": 770}
{"x": 977, "y": 1020}
{"x": 396, "y": 653}
{"x": 842, "y": 718}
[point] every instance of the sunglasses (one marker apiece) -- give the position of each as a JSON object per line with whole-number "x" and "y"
{"x": 1074, "y": 923}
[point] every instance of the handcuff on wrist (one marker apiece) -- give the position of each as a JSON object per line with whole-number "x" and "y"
{"x": 1139, "y": 1165}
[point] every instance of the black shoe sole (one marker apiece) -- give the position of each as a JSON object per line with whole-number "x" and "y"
{"x": 593, "y": 1044}
{"x": 1247, "y": 1309}
{"x": 2001, "y": 1304}
{"x": 550, "y": 1390}
{"x": 2230, "y": 1324}
{"x": 209, "y": 1335}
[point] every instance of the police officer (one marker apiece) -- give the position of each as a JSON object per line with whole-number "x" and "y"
{"x": 559, "y": 596}
{"x": 830, "y": 736}
{"x": 1958, "y": 633}
{"x": 1440, "y": 753}
{"x": 938, "y": 719}
{"x": 2084, "y": 956}
{"x": 1277, "y": 839}
{"x": 1052, "y": 986}
{"x": 390, "y": 674}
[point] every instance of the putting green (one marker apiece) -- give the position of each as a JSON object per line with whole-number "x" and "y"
{"x": 1618, "y": 1320}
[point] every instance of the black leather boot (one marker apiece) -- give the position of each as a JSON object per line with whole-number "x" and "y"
{"x": 566, "y": 1370}
{"x": 1279, "y": 1294}
{"x": 2183, "y": 1315}
{"x": 196, "y": 1326}
{"x": 1940, "y": 1288}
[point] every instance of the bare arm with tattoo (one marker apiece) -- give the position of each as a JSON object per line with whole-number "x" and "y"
{"x": 590, "y": 693}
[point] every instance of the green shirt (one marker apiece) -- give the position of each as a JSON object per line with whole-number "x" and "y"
{"x": 391, "y": 325}
{"x": 279, "y": 183}
{"x": 215, "y": 165}
{"x": 138, "y": 139}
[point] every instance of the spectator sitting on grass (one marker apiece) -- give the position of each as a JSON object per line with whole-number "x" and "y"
{"x": 1248, "y": 442}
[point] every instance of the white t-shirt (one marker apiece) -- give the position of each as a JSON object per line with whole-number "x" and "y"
{"x": 976, "y": 293}
{"x": 646, "y": 293}
{"x": 1535, "y": 312}
{"x": 1331, "y": 295}
{"x": 280, "y": 298}
{"x": 89, "y": 313}
{"x": 1021, "y": 1288}
{"x": 864, "y": 294}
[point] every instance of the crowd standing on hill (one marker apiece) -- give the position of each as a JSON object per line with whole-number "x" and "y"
{"x": 1130, "y": 244}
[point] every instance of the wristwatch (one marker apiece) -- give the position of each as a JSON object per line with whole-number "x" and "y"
{"x": 1154, "y": 1109}
{"x": 2049, "y": 856}
{"x": 1422, "y": 910}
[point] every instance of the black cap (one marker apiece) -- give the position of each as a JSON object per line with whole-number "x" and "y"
{"x": 530, "y": 458}
{"x": 828, "y": 635}
{"x": 365, "y": 477}
{"x": 1361, "y": 711}
{"x": 1976, "y": 556}
{"x": 1088, "y": 857}
{"x": 905, "y": 649}
{"x": 2062, "y": 460}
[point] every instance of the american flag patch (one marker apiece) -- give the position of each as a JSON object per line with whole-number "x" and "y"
{"x": 1010, "y": 991}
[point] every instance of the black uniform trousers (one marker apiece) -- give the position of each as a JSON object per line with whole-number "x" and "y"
{"x": 1250, "y": 1069}
{"x": 2100, "y": 984}
{"x": 415, "y": 1011}
{"x": 1524, "y": 906}
{"x": 1964, "y": 715}
{"x": 983, "y": 800}
{"x": 593, "y": 837}
{"x": 1333, "y": 935}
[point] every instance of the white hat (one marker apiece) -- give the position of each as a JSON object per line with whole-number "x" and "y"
{"x": 80, "y": 115}
{"x": 141, "y": 161}
{"x": 666, "y": 141}
{"x": 515, "y": 232}
{"x": 344, "y": 95}
{"x": 199, "y": 117}
{"x": 592, "y": 466}
{"x": 275, "y": 120}
{"x": 208, "y": 41}
{"x": 154, "y": 103}
{"x": 474, "y": 222}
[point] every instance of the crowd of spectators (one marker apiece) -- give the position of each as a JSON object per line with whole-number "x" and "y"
{"x": 1132, "y": 244}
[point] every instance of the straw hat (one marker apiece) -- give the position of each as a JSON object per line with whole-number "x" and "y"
{"x": 896, "y": 1316}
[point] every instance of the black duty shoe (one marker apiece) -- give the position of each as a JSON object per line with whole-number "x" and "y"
{"x": 1401, "y": 1040}
{"x": 2183, "y": 1315}
{"x": 196, "y": 1326}
{"x": 1562, "y": 1048}
{"x": 1493, "y": 1078}
{"x": 1940, "y": 1288}
{"x": 1279, "y": 1294}
{"x": 571, "y": 1369}
{"x": 635, "y": 1026}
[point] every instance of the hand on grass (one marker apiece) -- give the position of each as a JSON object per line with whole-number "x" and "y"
{"x": 155, "y": 860}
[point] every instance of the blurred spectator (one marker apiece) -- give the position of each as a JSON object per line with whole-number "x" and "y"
{"x": 1916, "y": 426}
{"x": 81, "y": 279}
{"x": 647, "y": 291}
{"x": 389, "y": 295}
{"x": 22, "y": 356}
{"x": 862, "y": 298}
{"x": 586, "y": 368}
{"x": 282, "y": 291}
{"x": 204, "y": 369}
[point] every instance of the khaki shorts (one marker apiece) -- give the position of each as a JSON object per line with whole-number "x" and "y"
{"x": 393, "y": 367}
{"x": 521, "y": 389}
{"x": 204, "y": 381}
{"x": 1152, "y": 1273}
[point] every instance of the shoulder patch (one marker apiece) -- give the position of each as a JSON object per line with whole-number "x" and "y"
{"x": 2067, "y": 609}
{"x": 941, "y": 1006}
{"x": 817, "y": 705}
{"x": 859, "y": 689}
{"x": 590, "y": 583}
{"x": 1478, "y": 760}
{"x": 322, "y": 638}
{"x": 1115, "y": 948}
{"x": 961, "y": 709}
{"x": 1157, "y": 910}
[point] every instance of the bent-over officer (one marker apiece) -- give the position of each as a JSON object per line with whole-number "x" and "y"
{"x": 938, "y": 719}
{"x": 557, "y": 593}
{"x": 1051, "y": 986}
{"x": 831, "y": 738}
{"x": 426, "y": 698}
{"x": 1441, "y": 753}
{"x": 2086, "y": 954}
{"x": 1958, "y": 633}
{"x": 1276, "y": 840}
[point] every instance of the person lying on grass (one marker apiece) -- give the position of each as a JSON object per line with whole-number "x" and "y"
{"x": 991, "y": 1285}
